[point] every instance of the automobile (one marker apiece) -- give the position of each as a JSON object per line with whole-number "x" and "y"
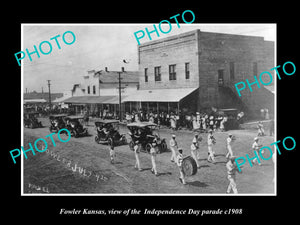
{"x": 108, "y": 133}
{"x": 73, "y": 124}
{"x": 142, "y": 133}
{"x": 31, "y": 121}
{"x": 57, "y": 122}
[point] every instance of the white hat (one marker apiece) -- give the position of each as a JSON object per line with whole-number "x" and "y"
{"x": 256, "y": 138}
{"x": 229, "y": 134}
{"x": 173, "y": 135}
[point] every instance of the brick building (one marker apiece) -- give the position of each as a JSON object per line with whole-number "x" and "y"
{"x": 204, "y": 66}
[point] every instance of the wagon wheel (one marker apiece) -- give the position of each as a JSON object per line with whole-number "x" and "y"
{"x": 97, "y": 139}
{"x": 110, "y": 142}
{"x": 75, "y": 134}
{"x": 148, "y": 147}
{"x": 164, "y": 146}
{"x": 189, "y": 166}
{"x": 131, "y": 144}
{"x": 158, "y": 149}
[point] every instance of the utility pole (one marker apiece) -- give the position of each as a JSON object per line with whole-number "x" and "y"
{"x": 120, "y": 94}
{"x": 49, "y": 93}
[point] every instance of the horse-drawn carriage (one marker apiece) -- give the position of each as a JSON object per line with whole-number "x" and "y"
{"x": 108, "y": 133}
{"x": 142, "y": 132}
{"x": 31, "y": 121}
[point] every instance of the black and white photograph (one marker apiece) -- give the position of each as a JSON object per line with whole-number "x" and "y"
{"x": 149, "y": 111}
{"x": 148, "y": 117}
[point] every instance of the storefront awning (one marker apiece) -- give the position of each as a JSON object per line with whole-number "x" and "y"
{"x": 114, "y": 100}
{"x": 159, "y": 95}
{"x": 88, "y": 99}
{"x": 34, "y": 101}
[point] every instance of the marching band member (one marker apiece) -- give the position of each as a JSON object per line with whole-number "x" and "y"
{"x": 194, "y": 152}
{"x": 179, "y": 164}
{"x": 197, "y": 140}
{"x": 173, "y": 145}
{"x": 210, "y": 142}
{"x": 228, "y": 145}
{"x": 153, "y": 156}
{"x": 112, "y": 154}
{"x": 256, "y": 147}
{"x": 231, "y": 171}
{"x": 260, "y": 127}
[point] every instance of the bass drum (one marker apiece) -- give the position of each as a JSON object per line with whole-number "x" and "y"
{"x": 189, "y": 166}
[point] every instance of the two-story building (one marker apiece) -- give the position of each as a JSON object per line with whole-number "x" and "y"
{"x": 100, "y": 90}
{"x": 197, "y": 70}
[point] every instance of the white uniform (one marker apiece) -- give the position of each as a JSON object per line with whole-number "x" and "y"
{"x": 203, "y": 123}
{"x": 153, "y": 156}
{"x": 210, "y": 150}
{"x": 137, "y": 158}
{"x": 196, "y": 140}
{"x": 228, "y": 146}
{"x": 261, "y": 131}
{"x": 173, "y": 146}
{"x": 179, "y": 164}
{"x": 222, "y": 128}
{"x": 231, "y": 170}
{"x": 112, "y": 154}
{"x": 194, "y": 153}
{"x": 255, "y": 147}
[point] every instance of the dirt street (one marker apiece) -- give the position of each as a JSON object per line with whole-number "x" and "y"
{"x": 81, "y": 166}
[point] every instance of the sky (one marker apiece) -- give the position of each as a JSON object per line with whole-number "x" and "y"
{"x": 98, "y": 46}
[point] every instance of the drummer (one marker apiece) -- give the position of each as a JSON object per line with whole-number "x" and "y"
{"x": 197, "y": 139}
